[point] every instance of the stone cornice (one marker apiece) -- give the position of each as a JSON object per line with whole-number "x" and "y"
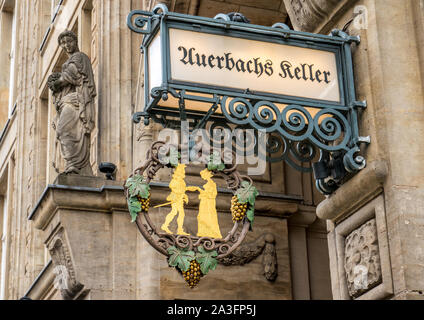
{"x": 356, "y": 192}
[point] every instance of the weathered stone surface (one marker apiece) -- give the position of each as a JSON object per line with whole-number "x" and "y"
{"x": 63, "y": 263}
{"x": 306, "y": 15}
{"x": 394, "y": 119}
{"x": 359, "y": 247}
{"x": 231, "y": 282}
{"x": 86, "y": 216}
{"x": 210, "y": 8}
{"x": 247, "y": 252}
{"x": 87, "y": 229}
{"x": 362, "y": 259}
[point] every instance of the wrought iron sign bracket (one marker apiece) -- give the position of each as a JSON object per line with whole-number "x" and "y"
{"x": 299, "y": 128}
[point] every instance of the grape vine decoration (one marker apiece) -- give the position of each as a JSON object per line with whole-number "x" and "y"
{"x": 192, "y": 256}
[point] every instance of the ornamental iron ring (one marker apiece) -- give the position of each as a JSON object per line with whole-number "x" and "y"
{"x": 161, "y": 241}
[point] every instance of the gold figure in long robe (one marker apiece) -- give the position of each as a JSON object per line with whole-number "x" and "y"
{"x": 207, "y": 219}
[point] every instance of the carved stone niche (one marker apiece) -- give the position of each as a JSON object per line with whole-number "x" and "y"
{"x": 362, "y": 259}
{"x": 359, "y": 255}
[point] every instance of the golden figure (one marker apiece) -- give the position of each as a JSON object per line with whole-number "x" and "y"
{"x": 177, "y": 198}
{"x": 207, "y": 219}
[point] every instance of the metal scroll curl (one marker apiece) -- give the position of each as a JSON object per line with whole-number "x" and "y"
{"x": 182, "y": 248}
{"x": 295, "y": 131}
{"x": 327, "y": 129}
{"x": 140, "y": 21}
{"x": 296, "y": 134}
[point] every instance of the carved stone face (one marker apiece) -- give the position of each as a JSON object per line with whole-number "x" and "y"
{"x": 69, "y": 44}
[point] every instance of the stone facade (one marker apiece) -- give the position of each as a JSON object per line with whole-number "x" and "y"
{"x": 388, "y": 70}
{"x": 66, "y": 237}
{"x": 77, "y": 230}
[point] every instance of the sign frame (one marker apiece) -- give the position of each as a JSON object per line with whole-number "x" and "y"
{"x": 223, "y": 90}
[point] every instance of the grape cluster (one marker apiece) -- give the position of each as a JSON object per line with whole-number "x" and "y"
{"x": 145, "y": 203}
{"x": 238, "y": 210}
{"x": 193, "y": 274}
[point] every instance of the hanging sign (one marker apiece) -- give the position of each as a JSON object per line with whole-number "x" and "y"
{"x": 281, "y": 69}
{"x": 193, "y": 255}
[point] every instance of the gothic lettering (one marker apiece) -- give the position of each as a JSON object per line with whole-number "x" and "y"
{"x": 190, "y": 56}
{"x": 249, "y": 66}
{"x": 203, "y": 58}
{"x": 259, "y": 69}
{"x": 229, "y": 62}
{"x": 184, "y": 58}
{"x": 297, "y": 72}
{"x": 210, "y": 61}
{"x": 260, "y": 66}
{"x": 268, "y": 68}
{"x": 240, "y": 65}
{"x": 286, "y": 69}
{"x": 219, "y": 61}
{"x": 326, "y": 75}
{"x": 317, "y": 76}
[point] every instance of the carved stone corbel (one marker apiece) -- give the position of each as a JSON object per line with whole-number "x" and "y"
{"x": 65, "y": 280}
{"x": 307, "y": 15}
{"x": 247, "y": 252}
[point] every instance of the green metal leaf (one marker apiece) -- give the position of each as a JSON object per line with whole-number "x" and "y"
{"x": 215, "y": 162}
{"x": 180, "y": 258}
{"x": 137, "y": 186}
{"x": 247, "y": 193}
{"x": 206, "y": 259}
{"x": 134, "y": 208}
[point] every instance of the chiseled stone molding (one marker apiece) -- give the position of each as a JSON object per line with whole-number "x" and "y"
{"x": 306, "y": 15}
{"x": 310, "y": 15}
{"x": 362, "y": 259}
{"x": 66, "y": 279}
{"x": 356, "y": 192}
{"x": 78, "y": 198}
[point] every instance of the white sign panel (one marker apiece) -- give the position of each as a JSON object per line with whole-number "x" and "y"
{"x": 230, "y": 62}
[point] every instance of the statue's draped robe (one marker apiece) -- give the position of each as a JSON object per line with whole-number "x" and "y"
{"x": 75, "y": 112}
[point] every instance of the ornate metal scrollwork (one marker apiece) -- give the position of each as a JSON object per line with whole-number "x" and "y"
{"x": 296, "y": 135}
{"x": 142, "y": 23}
{"x": 295, "y": 131}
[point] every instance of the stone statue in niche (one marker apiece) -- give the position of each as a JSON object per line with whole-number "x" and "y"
{"x": 73, "y": 92}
